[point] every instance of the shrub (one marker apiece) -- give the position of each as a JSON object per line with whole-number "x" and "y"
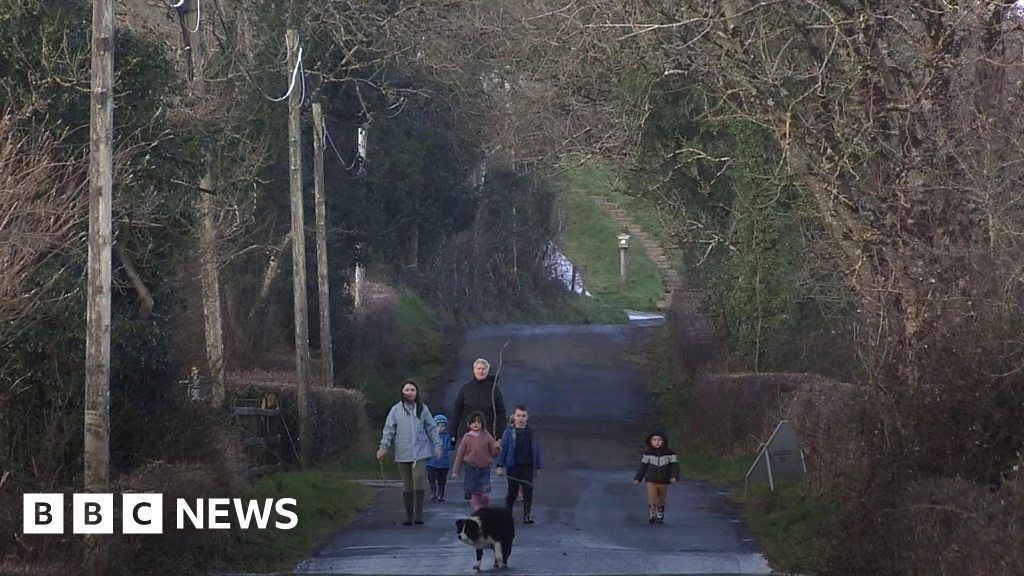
{"x": 825, "y": 415}
{"x": 693, "y": 337}
{"x": 189, "y": 453}
{"x": 190, "y": 551}
{"x": 934, "y": 526}
{"x": 728, "y": 413}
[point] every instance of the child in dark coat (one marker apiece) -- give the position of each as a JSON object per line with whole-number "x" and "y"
{"x": 519, "y": 459}
{"x": 660, "y": 467}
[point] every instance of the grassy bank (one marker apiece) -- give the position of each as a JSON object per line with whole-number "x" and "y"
{"x": 599, "y": 180}
{"x": 589, "y": 239}
{"x": 789, "y": 524}
{"x": 326, "y": 500}
{"x": 411, "y": 345}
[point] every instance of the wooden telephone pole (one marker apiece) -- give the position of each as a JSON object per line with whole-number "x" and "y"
{"x": 210, "y": 276}
{"x": 97, "y": 332}
{"x": 326, "y": 348}
{"x": 298, "y": 250}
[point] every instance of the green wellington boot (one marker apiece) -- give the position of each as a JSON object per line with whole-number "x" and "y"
{"x": 408, "y": 508}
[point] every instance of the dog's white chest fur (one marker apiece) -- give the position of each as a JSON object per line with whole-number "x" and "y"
{"x": 484, "y": 544}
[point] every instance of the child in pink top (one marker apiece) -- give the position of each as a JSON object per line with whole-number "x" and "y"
{"x": 477, "y": 449}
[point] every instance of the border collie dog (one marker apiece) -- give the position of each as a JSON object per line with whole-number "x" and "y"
{"x": 488, "y": 528}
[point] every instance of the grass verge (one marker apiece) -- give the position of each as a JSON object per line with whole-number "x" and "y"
{"x": 326, "y": 500}
{"x": 791, "y": 525}
{"x": 361, "y": 463}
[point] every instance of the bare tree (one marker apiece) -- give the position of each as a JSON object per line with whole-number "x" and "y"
{"x": 210, "y": 274}
{"x": 41, "y": 203}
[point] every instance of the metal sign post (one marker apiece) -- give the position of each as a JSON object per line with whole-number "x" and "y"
{"x": 780, "y": 459}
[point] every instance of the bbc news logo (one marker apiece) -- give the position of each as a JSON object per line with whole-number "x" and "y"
{"x": 144, "y": 513}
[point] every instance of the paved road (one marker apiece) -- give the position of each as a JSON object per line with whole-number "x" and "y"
{"x": 588, "y": 403}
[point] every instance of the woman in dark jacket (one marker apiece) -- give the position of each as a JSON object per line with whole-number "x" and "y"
{"x": 481, "y": 394}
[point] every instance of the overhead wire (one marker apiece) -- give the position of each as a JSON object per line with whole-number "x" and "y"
{"x": 297, "y": 73}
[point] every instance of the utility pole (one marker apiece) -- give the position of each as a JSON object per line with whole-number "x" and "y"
{"x": 97, "y": 332}
{"x": 298, "y": 250}
{"x": 210, "y": 276}
{"x": 326, "y": 348}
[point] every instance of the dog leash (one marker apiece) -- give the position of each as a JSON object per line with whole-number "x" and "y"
{"x": 518, "y": 479}
{"x": 384, "y": 481}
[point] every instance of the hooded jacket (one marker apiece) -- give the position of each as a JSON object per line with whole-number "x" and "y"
{"x": 446, "y": 449}
{"x": 414, "y": 437}
{"x": 475, "y": 396}
{"x": 658, "y": 465}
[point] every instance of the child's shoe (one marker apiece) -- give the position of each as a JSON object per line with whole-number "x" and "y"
{"x": 433, "y": 494}
{"x": 661, "y": 516}
{"x": 527, "y": 514}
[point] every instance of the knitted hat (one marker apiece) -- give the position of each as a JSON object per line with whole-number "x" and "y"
{"x": 440, "y": 419}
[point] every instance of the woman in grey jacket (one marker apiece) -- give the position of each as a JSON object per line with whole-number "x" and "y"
{"x": 410, "y": 428}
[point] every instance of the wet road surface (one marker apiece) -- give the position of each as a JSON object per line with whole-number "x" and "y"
{"x": 588, "y": 404}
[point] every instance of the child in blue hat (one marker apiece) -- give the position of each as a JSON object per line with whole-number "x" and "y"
{"x": 437, "y": 468}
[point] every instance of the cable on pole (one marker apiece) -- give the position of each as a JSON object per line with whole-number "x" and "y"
{"x": 199, "y": 12}
{"x": 291, "y": 85}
